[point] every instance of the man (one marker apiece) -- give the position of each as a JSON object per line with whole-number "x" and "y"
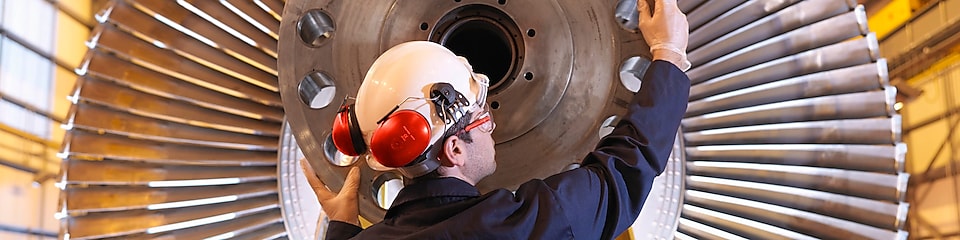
{"x": 599, "y": 200}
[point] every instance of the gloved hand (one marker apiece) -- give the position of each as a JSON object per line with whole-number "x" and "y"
{"x": 341, "y": 206}
{"x": 666, "y": 31}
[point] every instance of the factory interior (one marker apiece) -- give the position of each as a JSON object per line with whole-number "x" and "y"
{"x": 185, "y": 119}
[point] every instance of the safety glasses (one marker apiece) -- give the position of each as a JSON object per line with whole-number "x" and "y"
{"x": 484, "y": 122}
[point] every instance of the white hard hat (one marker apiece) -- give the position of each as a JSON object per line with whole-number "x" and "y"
{"x": 405, "y": 104}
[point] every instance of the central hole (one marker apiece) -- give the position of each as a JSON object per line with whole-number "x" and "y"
{"x": 485, "y": 44}
{"x": 486, "y": 36}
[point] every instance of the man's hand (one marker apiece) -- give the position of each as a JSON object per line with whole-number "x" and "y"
{"x": 339, "y": 207}
{"x": 666, "y": 31}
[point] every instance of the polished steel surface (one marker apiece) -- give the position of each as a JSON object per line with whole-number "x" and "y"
{"x": 795, "y": 16}
{"x": 735, "y": 18}
{"x": 863, "y": 157}
{"x": 874, "y": 213}
{"x": 710, "y": 10}
{"x": 866, "y": 77}
{"x": 177, "y": 130}
{"x": 798, "y": 221}
{"x": 839, "y": 55}
{"x": 819, "y": 34}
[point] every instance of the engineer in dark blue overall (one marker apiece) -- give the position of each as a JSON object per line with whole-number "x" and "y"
{"x": 599, "y": 200}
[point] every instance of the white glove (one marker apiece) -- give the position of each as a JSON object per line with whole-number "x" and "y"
{"x": 666, "y": 31}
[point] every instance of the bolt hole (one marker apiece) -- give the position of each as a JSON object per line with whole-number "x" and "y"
{"x": 456, "y": 0}
{"x": 502, "y": 2}
{"x": 626, "y": 15}
{"x": 495, "y": 105}
{"x": 336, "y": 157}
{"x": 423, "y": 26}
{"x": 607, "y": 126}
{"x": 385, "y": 188}
{"x": 631, "y": 70}
{"x": 317, "y": 90}
{"x": 315, "y": 27}
{"x": 531, "y": 32}
{"x": 528, "y": 76}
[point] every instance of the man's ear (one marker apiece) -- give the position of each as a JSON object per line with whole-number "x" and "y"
{"x": 452, "y": 152}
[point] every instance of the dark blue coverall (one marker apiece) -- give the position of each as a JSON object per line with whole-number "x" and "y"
{"x": 599, "y": 200}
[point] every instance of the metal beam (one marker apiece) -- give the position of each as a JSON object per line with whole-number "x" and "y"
{"x": 30, "y": 107}
{"x": 70, "y": 13}
{"x": 30, "y": 137}
{"x": 33, "y": 48}
{"x": 17, "y": 166}
{"x": 948, "y": 235}
{"x": 928, "y": 51}
{"x": 935, "y": 174}
{"x": 943, "y": 116}
{"x": 28, "y": 231}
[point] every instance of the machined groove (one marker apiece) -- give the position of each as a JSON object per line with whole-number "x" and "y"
{"x": 793, "y": 17}
{"x": 689, "y": 229}
{"x": 871, "y": 158}
{"x": 711, "y": 9}
{"x": 152, "y": 43}
{"x": 866, "y": 77}
{"x": 107, "y": 67}
{"x": 272, "y": 7}
{"x": 247, "y": 32}
{"x": 880, "y": 214}
{"x": 846, "y": 106}
{"x": 120, "y": 198}
{"x": 96, "y": 118}
{"x": 143, "y": 220}
{"x": 265, "y": 224}
{"x": 215, "y": 36}
{"x": 259, "y": 16}
{"x": 853, "y": 131}
{"x": 794, "y": 220}
{"x": 837, "y": 56}
{"x": 275, "y": 230}
{"x": 734, "y": 19}
{"x": 196, "y": 74}
{"x": 885, "y": 187}
{"x": 727, "y": 226}
{"x": 816, "y": 35}
{"x": 109, "y": 146}
{"x": 688, "y": 5}
{"x": 157, "y": 29}
{"x": 112, "y": 172}
{"x": 112, "y": 95}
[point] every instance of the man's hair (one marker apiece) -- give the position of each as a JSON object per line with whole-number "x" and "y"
{"x": 455, "y": 129}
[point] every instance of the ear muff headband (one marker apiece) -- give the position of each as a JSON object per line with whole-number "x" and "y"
{"x": 356, "y": 136}
{"x": 346, "y": 133}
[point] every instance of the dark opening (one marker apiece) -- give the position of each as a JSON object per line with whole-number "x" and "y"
{"x": 487, "y": 37}
{"x": 485, "y": 45}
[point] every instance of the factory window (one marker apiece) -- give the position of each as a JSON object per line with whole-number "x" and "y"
{"x": 26, "y": 65}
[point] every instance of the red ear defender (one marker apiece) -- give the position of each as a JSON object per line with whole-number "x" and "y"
{"x": 346, "y": 133}
{"x": 400, "y": 138}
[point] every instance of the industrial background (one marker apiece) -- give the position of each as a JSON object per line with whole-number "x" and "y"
{"x": 109, "y": 110}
